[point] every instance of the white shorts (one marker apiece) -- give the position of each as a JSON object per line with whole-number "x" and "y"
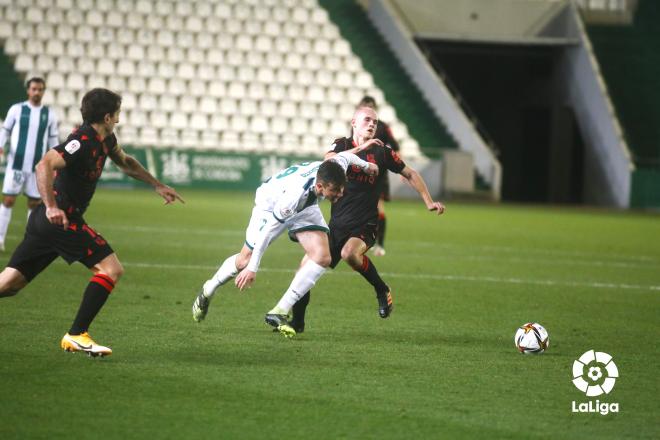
{"x": 309, "y": 219}
{"x": 17, "y": 182}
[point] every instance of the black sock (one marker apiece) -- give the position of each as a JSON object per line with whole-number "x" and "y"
{"x": 369, "y": 272}
{"x": 381, "y": 230}
{"x": 95, "y": 295}
{"x": 300, "y": 307}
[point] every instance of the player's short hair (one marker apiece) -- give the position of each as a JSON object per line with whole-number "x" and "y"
{"x": 35, "y": 79}
{"x": 97, "y": 103}
{"x": 367, "y": 101}
{"x": 330, "y": 172}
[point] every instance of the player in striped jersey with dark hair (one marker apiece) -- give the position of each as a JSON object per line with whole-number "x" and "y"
{"x": 32, "y": 128}
{"x": 67, "y": 177}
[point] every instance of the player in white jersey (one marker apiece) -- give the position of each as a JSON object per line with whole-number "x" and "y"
{"x": 32, "y": 128}
{"x": 287, "y": 201}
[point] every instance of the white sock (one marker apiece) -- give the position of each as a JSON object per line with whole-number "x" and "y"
{"x": 301, "y": 284}
{"x": 226, "y": 272}
{"x": 5, "y": 218}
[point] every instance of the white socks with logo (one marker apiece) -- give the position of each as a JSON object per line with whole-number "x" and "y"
{"x": 301, "y": 284}
{"x": 226, "y": 272}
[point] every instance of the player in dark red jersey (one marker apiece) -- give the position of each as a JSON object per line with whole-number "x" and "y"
{"x": 353, "y": 219}
{"x": 384, "y": 133}
{"x": 66, "y": 177}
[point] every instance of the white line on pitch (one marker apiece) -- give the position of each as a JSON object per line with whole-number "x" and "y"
{"x": 466, "y": 278}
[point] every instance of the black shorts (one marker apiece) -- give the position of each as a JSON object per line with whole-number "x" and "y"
{"x": 44, "y": 241}
{"x": 339, "y": 236}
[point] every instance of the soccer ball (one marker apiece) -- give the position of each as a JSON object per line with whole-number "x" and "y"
{"x": 531, "y": 338}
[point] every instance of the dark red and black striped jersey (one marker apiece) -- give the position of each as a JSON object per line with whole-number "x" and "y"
{"x": 84, "y": 153}
{"x": 359, "y": 205}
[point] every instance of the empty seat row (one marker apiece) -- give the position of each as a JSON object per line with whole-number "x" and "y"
{"x": 263, "y": 23}
{"x": 195, "y": 57}
{"x": 284, "y": 38}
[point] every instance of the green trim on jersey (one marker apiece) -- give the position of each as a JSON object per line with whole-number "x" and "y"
{"x": 24, "y": 126}
{"x": 292, "y": 232}
{"x": 39, "y": 144}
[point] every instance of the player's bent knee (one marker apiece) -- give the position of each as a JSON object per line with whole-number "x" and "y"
{"x": 10, "y": 287}
{"x": 322, "y": 259}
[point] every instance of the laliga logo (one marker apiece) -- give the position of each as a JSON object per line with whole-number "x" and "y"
{"x": 594, "y": 373}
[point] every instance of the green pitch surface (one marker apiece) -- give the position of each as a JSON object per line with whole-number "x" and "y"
{"x": 442, "y": 366}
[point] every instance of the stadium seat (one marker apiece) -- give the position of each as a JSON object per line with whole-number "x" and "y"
{"x": 6, "y": 30}
{"x": 65, "y": 98}
{"x": 126, "y": 68}
{"x": 85, "y": 65}
{"x": 256, "y": 91}
{"x": 156, "y": 85}
{"x": 188, "y": 104}
{"x": 199, "y": 121}
{"x": 129, "y": 100}
{"x": 197, "y": 88}
{"x": 114, "y": 19}
{"x": 147, "y": 102}
{"x": 94, "y": 18}
{"x": 146, "y": 69}
{"x": 24, "y": 62}
{"x": 158, "y": 119}
{"x": 13, "y": 46}
{"x": 95, "y": 80}
{"x": 219, "y": 122}
{"x": 176, "y": 86}
{"x": 148, "y": 136}
{"x": 44, "y": 63}
{"x": 54, "y": 80}
{"x": 259, "y": 124}
{"x": 167, "y": 103}
{"x": 279, "y": 125}
{"x": 210, "y": 140}
{"x": 136, "y": 84}
{"x": 117, "y": 84}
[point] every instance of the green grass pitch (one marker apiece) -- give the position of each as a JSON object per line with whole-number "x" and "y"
{"x": 442, "y": 366}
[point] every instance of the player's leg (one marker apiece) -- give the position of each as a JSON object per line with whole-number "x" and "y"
{"x": 336, "y": 239}
{"x": 32, "y": 193}
{"x": 11, "y": 188}
{"x": 227, "y": 270}
{"x": 379, "y": 249}
{"x": 28, "y": 260}
{"x": 79, "y": 242}
{"x": 6, "y": 207}
{"x": 353, "y": 253}
{"x": 315, "y": 244}
{"x": 106, "y": 274}
{"x": 31, "y": 205}
{"x": 11, "y": 281}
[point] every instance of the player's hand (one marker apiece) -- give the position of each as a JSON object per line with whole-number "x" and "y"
{"x": 169, "y": 194}
{"x": 245, "y": 279}
{"x": 436, "y": 206}
{"x": 372, "y": 169}
{"x": 370, "y": 143}
{"x": 57, "y": 217}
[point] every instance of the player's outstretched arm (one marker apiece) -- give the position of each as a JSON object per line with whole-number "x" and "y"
{"x": 132, "y": 167}
{"x": 416, "y": 181}
{"x": 45, "y": 171}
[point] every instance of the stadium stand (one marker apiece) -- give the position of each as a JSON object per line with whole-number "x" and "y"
{"x": 231, "y": 75}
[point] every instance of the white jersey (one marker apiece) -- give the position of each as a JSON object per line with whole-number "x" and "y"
{"x": 32, "y": 130}
{"x": 292, "y": 190}
{"x": 287, "y": 193}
